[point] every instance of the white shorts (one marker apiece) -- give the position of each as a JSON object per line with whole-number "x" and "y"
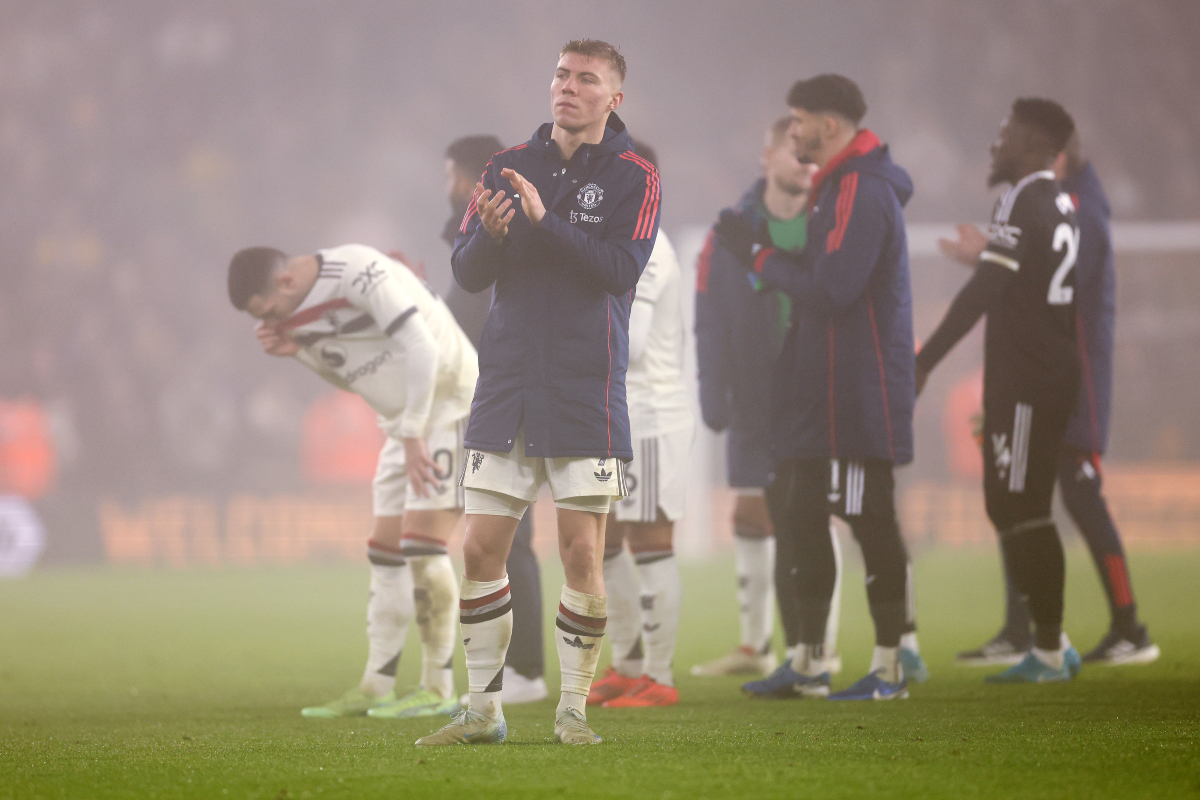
{"x": 517, "y": 475}
{"x": 391, "y": 488}
{"x": 657, "y": 478}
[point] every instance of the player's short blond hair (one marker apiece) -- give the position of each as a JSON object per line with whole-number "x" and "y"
{"x": 594, "y": 48}
{"x": 778, "y": 131}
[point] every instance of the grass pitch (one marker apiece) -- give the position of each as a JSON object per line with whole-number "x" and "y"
{"x": 133, "y": 684}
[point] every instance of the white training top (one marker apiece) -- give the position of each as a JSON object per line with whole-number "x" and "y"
{"x": 658, "y": 402}
{"x": 372, "y": 327}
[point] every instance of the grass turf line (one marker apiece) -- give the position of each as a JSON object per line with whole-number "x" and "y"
{"x": 132, "y": 684}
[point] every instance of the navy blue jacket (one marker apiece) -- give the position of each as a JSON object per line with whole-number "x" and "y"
{"x": 555, "y": 346}
{"x": 844, "y": 386}
{"x": 1095, "y": 308}
{"x": 737, "y": 341}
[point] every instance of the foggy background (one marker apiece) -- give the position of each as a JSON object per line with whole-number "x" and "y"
{"x": 141, "y": 144}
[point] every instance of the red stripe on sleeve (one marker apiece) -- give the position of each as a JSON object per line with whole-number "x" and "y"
{"x": 650, "y": 200}
{"x": 845, "y": 204}
{"x": 470, "y": 211}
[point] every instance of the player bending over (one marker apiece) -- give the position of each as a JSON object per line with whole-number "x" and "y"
{"x": 563, "y": 225}
{"x": 644, "y": 600}
{"x": 1025, "y": 283}
{"x": 366, "y": 324}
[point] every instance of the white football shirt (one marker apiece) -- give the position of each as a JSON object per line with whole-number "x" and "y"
{"x": 370, "y": 326}
{"x": 658, "y": 402}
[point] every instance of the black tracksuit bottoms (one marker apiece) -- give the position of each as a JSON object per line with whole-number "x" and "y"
{"x": 862, "y": 492}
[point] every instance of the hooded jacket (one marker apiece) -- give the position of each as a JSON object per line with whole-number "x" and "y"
{"x": 555, "y": 347}
{"x": 738, "y": 335}
{"x": 1095, "y": 308}
{"x": 844, "y": 382}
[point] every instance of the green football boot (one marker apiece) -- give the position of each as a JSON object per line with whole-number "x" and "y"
{"x": 354, "y": 703}
{"x": 417, "y": 703}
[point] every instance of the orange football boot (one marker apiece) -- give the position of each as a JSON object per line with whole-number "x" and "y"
{"x": 645, "y": 693}
{"x": 609, "y": 687}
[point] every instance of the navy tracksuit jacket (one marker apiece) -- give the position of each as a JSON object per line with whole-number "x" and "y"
{"x": 737, "y": 342}
{"x": 555, "y": 346}
{"x": 844, "y": 386}
{"x": 1095, "y": 308}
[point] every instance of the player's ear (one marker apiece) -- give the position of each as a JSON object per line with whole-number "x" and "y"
{"x": 829, "y": 126}
{"x": 616, "y": 101}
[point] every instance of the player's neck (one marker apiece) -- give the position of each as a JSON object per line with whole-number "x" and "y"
{"x": 569, "y": 141}
{"x": 304, "y": 269}
{"x": 783, "y": 205}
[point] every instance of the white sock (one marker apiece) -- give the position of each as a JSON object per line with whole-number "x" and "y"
{"x": 624, "y": 588}
{"x": 835, "y": 602}
{"x": 389, "y": 611}
{"x": 909, "y": 642}
{"x": 1051, "y": 658}
{"x": 886, "y": 661}
{"x": 435, "y": 593}
{"x": 485, "y": 611}
{"x": 661, "y": 592}
{"x": 809, "y": 659}
{"x": 754, "y": 562}
{"x": 578, "y": 633}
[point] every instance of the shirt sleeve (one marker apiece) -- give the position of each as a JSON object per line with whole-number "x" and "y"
{"x": 714, "y": 346}
{"x": 1006, "y": 234}
{"x": 375, "y": 287}
{"x": 477, "y": 257}
{"x": 649, "y": 289}
{"x": 831, "y": 274}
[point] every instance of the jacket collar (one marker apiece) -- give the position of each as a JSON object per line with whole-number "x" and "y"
{"x": 863, "y": 142}
{"x": 616, "y": 140}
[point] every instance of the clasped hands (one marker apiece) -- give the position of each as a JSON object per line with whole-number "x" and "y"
{"x": 496, "y": 210}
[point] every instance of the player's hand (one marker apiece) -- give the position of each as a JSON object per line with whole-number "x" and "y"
{"x": 422, "y": 470}
{"x": 531, "y": 201}
{"x": 967, "y": 248}
{"x": 495, "y": 212}
{"x": 274, "y": 341}
{"x": 736, "y": 236}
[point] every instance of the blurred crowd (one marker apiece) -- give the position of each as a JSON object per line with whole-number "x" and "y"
{"x": 140, "y": 145}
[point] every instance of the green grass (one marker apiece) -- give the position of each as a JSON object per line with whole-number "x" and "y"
{"x": 120, "y": 683}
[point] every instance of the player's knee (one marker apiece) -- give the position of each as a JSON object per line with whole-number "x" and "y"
{"x": 580, "y": 556}
{"x": 751, "y": 519}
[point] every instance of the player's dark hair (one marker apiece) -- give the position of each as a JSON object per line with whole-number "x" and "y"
{"x": 594, "y": 48}
{"x": 645, "y": 151}
{"x": 829, "y": 93}
{"x": 471, "y": 154}
{"x": 1047, "y": 118}
{"x": 250, "y": 272}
